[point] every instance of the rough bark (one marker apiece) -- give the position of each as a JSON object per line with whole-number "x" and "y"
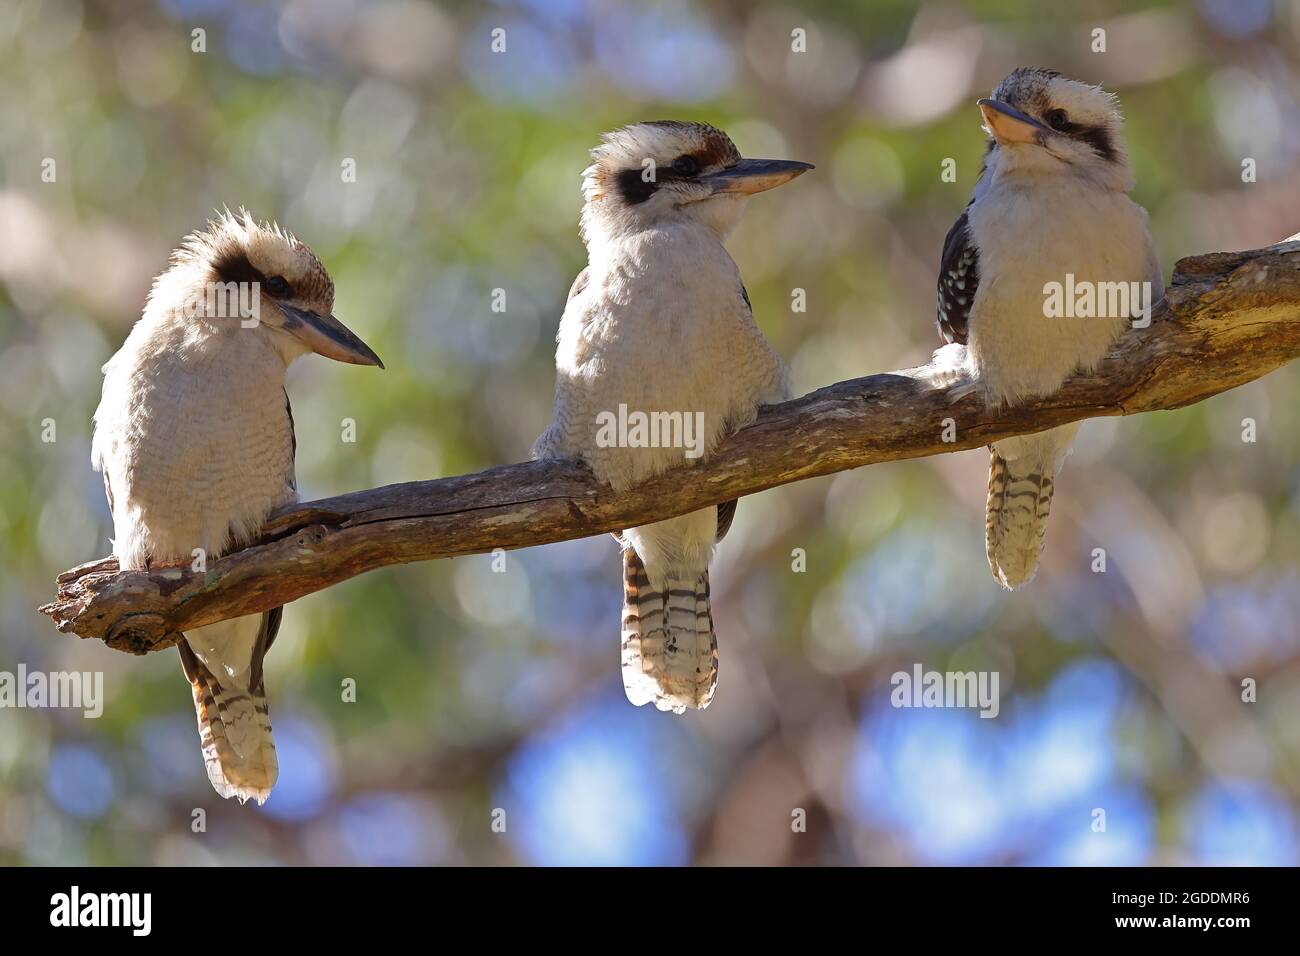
{"x": 1227, "y": 319}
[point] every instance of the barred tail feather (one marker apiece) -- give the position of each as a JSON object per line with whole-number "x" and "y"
{"x": 1020, "y": 499}
{"x": 234, "y": 720}
{"x": 670, "y": 651}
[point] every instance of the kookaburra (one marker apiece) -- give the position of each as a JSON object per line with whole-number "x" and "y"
{"x": 658, "y": 327}
{"x": 1050, "y": 211}
{"x": 194, "y": 435}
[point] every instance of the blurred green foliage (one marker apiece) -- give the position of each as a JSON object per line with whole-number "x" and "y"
{"x": 479, "y": 690}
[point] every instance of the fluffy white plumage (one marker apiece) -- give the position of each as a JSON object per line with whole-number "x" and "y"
{"x": 659, "y": 322}
{"x": 195, "y": 439}
{"x": 1053, "y": 205}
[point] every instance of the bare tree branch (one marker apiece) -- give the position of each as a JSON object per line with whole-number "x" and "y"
{"x": 1228, "y": 319}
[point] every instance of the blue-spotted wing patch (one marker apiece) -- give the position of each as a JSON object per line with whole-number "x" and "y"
{"x": 959, "y": 276}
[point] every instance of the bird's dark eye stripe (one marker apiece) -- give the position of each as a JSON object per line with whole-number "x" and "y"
{"x": 1098, "y": 137}
{"x": 1058, "y": 119}
{"x": 686, "y": 165}
{"x": 633, "y": 188}
{"x": 234, "y": 266}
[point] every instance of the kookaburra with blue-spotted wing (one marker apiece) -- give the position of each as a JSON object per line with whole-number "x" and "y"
{"x": 659, "y": 324}
{"x": 1051, "y": 210}
{"x": 194, "y": 435}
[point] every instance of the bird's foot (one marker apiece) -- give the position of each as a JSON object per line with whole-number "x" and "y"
{"x": 960, "y": 389}
{"x": 949, "y": 368}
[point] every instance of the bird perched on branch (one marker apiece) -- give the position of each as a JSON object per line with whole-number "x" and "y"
{"x": 1050, "y": 216}
{"x": 194, "y": 435}
{"x": 659, "y": 358}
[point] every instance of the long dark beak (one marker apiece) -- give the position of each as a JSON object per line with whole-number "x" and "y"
{"x": 751, "y": 176}
{"x": 1007, "y": 124}
{"x": 327, "y": 336}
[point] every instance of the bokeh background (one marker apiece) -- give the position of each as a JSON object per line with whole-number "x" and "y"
{"x": 479, "y": 690}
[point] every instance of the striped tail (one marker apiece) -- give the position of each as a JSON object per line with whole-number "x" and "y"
{"x": 1020, "y": 499}
{"x": 670, "y": 652}
{"x": 234, "y": 720}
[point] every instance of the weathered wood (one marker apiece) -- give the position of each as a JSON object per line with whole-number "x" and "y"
{"x": 1228, "y": 318}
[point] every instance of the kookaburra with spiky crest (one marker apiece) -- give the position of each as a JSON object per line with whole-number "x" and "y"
{"x": 1051, "y": 206}
{"x": 194, "y": 435}
{"x": 659, "y": 324}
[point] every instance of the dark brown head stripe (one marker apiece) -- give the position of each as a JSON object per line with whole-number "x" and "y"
{"x": 1026, "y": 90}
{"x": 715, "y": 147}
{"x": 1099, "y": 138}
{"x": 710, "y": 147}
{"x": 231, "y": 264}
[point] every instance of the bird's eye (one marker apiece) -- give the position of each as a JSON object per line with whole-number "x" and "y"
{"x": 277, "y": 286}
{"x": 1057, "y": 119}
{"x": 686, "y": 165}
